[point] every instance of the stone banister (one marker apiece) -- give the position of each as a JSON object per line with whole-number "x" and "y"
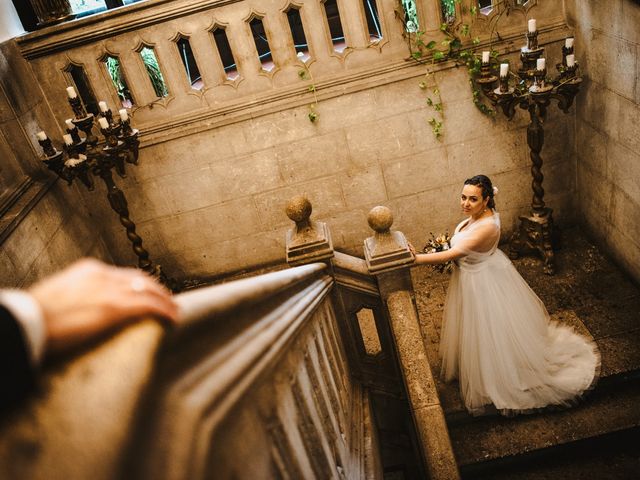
{"x": 253, "y": 383}
{"x": 388, "y": 258}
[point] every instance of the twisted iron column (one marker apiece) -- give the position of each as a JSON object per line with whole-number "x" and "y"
{"x": 119, "y": 205}
{"x": 83, "y": 156}
{"x": 536, "y": 230}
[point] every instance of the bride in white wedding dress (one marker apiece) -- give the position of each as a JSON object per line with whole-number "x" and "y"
{"x": 497, "y": 338}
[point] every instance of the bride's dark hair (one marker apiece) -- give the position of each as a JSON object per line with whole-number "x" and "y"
{"x": 484, "y": 183}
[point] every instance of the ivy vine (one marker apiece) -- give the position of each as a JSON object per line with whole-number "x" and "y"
{"x": 458, "y": 45}
{"x": 305, "y": 74}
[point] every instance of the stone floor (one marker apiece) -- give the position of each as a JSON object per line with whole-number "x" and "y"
{"x": 591, "y": 294}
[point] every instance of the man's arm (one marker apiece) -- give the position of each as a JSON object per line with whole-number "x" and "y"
{"x": 16, "y": 371}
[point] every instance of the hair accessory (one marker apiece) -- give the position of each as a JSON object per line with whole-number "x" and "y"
{"x": 495, "y": 191}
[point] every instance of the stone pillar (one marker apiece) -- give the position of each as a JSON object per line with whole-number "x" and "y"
{"x": 308, "y": 241}
{"x": 50, "y": 12}
{"x": 388, "y": 258}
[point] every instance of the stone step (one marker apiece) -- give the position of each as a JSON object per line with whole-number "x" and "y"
{"x": 614, "y": 455}
{"x": 485, "y": 441}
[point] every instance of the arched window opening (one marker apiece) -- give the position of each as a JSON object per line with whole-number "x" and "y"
{"x": 448, "y": 9}
{"x": 262, "y": 44}
{"x": 373, "y": 20}
{"x": 226, "y": 55}
{"x": 335, "y": 25}
{"x": 116, "y": 74}
{"x": 297, "y": 33}
{"x": 485, "y": 6}
{"x": 189, "y": 62}
{"x": 411, "y": 23}
{"x": 152, "y": 67}
{"x": 83, "y": 88}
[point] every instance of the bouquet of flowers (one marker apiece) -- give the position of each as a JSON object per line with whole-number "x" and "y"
{"x": 439, "y": 243}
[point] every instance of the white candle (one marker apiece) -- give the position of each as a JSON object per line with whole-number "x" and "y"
{"x": 70, "y": 124}
{"x": 71, "y": 92}
{"x": 571, "y": 60}
{"x": 540, "y": 64}
{"x": 103, "y": 123}
{"x": 504, "y": 69}
{"x": 485, "y": 57}
{"x": 103, "y": 106}
{"x": 532, "y": 25}
{"x": 41, "y": 136}
{"x": 124, "y": 116}
{"x": 67, "y": 139}
{"x": 568, "y": 42}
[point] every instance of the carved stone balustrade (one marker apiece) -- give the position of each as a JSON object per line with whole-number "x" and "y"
{"x": 388, "y": 258}
{"x": 253, "y": 383}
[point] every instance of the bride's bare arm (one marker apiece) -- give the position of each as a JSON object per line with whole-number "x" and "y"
{"x": 480, "y": 240}
{"x": 438, "y": 257}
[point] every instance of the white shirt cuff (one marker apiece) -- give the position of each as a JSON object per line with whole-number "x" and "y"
{"x": 28, "y": 314}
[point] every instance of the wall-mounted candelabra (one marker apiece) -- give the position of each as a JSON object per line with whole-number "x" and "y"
{"x": 82, "y": 157}
{"x": 533, "y": 91}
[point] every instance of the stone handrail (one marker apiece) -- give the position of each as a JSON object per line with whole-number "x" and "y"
{"x": 252, "y": 384}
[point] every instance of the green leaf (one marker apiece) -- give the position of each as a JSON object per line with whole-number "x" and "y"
{"x": 445, "y": 43}
{"x": 476, "y": 41}
{"x": 456, "y": 43}
{"x": 438, "y": 55}
{"x": 311, "y": 88}
{"x": 444, "y": 27}
{"x": 465, "y": 30}
{"x": 438, "y": 107}
{"x": 431, "y": 45}
{"x": 429, "y": 101}
{"x": 416, "y": 55}
{"x": 422, "y": 85}
{"x": 313, "y": 116}
{"x": 302, "y": 74}
{"x": 474, "y": 11}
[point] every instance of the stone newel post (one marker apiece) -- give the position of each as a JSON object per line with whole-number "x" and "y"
{"x": 309, "y": 241}
{"x": 388, "y": 258}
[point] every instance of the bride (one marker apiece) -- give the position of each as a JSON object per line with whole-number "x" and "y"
{"x": 497, "y": 338}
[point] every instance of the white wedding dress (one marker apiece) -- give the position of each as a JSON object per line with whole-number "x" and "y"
{"x": 497, "y": 338}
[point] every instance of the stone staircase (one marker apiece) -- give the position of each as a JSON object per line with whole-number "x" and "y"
{"x": 598, "y": 438}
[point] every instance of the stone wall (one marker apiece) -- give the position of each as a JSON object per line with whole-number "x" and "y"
{"x": 214, "y": 202}
{"x": 48, "y": 226}
{"x": 217, "y": 167}
{"x": 608, "y": 125}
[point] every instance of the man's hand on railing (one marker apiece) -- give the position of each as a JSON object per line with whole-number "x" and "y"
{"x": 90, "y": 298}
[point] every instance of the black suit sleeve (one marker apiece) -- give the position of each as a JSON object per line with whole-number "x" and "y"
{"x": 16, "y": 373}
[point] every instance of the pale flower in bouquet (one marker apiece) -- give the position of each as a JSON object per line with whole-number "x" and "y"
{"x": 439, "y": 243}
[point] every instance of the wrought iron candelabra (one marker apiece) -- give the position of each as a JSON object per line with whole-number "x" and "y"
{"x": 533, "y": 91}
{"x": 82, "y": 157}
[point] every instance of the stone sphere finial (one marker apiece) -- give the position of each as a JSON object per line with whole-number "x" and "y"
{"x": 380, "y": 219}
{"x": 299, "y": 209}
